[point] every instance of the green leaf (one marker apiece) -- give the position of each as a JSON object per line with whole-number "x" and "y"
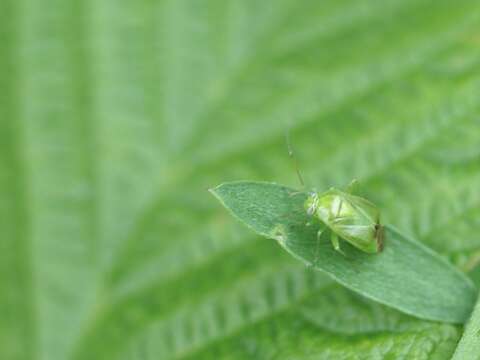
{"x": 469, "y": 346}
{"x": 406, "y": 275}
{"x": 116, "y": 116}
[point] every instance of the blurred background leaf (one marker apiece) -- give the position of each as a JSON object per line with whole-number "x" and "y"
{"x": 116, "y": 116}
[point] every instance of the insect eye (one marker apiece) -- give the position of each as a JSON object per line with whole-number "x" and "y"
{"x": 311, "y": 209}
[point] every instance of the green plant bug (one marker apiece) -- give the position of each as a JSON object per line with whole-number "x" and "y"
{"x": 349, "y": 217}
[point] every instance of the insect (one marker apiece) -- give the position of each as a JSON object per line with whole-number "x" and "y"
{"x": 348, "y": 216}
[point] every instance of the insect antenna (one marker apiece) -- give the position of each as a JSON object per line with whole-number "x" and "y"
{"x": 294, "y": 158}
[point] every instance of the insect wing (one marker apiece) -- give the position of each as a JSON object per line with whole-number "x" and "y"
{"x": 360, "y": 236}
{"x": 365, "y": 209}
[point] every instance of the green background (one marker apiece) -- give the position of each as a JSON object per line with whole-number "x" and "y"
{"x": 117, "y": 116}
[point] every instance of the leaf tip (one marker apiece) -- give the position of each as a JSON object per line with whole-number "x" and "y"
{"x": 213, "y": 190}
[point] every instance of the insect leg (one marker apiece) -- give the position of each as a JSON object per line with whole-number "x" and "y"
{"x": 317, "y": 248}
{"x": 336, "y": 243}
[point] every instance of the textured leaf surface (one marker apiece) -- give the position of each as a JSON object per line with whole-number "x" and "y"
{"x": 116, "y": 116}
{"x": 469, "y": 346}
{"x": 405, "y": 275}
